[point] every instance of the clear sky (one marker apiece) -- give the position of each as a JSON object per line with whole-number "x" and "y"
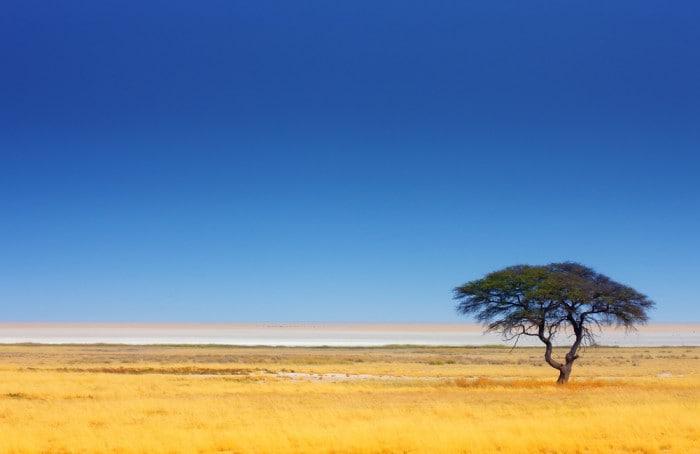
{"x": 340, "y": 161}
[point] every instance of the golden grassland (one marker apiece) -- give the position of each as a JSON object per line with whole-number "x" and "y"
{"x": 159, "y": 399}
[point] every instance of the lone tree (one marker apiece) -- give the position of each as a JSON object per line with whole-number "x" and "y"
{"x": 546, "y": 301}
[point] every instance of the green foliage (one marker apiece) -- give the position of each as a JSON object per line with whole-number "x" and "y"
{"x": 523, "y": 298}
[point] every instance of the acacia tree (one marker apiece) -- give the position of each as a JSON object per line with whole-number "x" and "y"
{"x": 551, "y": 300}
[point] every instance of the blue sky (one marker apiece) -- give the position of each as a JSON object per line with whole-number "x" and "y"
{"x": 340, "y": 161}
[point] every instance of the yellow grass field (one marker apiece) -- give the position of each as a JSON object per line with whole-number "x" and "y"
{"x": 156, "y": 399}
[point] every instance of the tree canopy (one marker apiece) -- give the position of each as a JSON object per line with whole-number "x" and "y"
{"x": 549, "y": 300}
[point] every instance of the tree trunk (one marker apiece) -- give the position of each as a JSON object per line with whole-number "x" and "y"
{"x": 565, "y": 369}
{"x": 564, "y": 373}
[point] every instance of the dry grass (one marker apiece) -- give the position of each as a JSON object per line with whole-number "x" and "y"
{"x": 408, "y": 399}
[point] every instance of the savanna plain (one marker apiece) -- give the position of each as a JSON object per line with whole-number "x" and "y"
{"x": 169, "y": 399}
